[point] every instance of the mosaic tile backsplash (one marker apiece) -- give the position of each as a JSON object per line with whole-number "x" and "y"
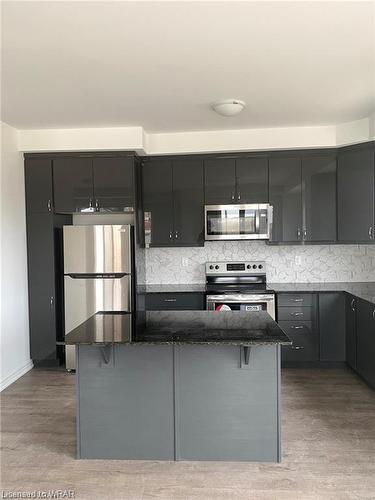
{"x": 297, "y": 264}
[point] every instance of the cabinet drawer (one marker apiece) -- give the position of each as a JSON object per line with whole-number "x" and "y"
{"x": 295, "y": 313}
{"x": 295, "y": 299}
{"x": 189, "y": 301}
{"x": 305, "y": 341}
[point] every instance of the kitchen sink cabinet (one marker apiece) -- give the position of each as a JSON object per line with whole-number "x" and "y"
{"x": 355, "y": 191}
{"x": 366, "y": 341}
{"x": 38, "y": 185}
{"x": 285, "y": 195}
{"x": 173, "y": 202}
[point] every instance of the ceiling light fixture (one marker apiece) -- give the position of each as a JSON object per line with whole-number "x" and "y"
{"x": 228, "y": 107}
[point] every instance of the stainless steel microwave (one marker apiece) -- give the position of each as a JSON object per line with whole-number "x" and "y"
{"x": 238, "y": 222}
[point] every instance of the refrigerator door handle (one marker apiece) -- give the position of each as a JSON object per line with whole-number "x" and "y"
{"x": 86, "y": 276}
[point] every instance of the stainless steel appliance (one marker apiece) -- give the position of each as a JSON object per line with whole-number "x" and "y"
{"x": 238, "y": 222}
{"x": 98, "y": 274}
{"x": 238, "y": 286}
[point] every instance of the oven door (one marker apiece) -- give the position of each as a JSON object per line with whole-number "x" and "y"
{"x": 238, "y": 222}
{"x": 242, "y": 302}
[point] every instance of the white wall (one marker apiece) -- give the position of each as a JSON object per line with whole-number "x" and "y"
{"x": 14, "y": 341}
{"x": 203, "y": 141}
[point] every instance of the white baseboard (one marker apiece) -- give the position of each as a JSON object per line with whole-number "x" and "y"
{"x": 16, "y": 375}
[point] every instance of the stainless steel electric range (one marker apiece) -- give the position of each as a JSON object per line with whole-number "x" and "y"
{"x": 238, "y": 286}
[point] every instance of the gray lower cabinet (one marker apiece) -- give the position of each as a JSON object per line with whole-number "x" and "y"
{"x": 305, "y": 347}
{"x": 332, "y": 326}
{"x": 225, "y": 412}
{"x": 181, "y": 301}
{"x": 351, "y": 330}
{"x": 366, "y": 341}
{"x": 355, "y": 191}
{"x": 125, "y": 409}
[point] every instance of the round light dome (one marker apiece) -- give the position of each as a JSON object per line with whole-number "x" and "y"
{"x": 228, "y": 107}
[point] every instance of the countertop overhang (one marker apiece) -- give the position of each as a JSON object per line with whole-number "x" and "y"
{"x": 179, "y": 328}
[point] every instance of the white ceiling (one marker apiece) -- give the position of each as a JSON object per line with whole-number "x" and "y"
{"x": 160, "y": 64}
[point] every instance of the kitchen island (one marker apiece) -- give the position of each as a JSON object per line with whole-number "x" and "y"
{"x": 178, "y": 385}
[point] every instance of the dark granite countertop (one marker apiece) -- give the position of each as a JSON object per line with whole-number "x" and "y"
{"x": 180, "y": 327}
{"x": 173, "y": 288}
{"x": 364, "y": 290}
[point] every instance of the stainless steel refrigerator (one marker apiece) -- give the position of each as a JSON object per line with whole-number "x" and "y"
{"x": 98, "y": 274}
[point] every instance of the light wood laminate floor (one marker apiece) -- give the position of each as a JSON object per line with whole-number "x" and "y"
{"x": 328, "y": 447}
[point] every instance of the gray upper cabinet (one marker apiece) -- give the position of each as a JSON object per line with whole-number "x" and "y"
{"x": 38, "y": 185}
{"x": 73, "y": 184}
{"x": 285, "y": 195}
{"x": 252, "y": 180}
{"x": 114, "y": 184}
{"x": 158, "y": 202}
{"x": 188, "y": 202}
{"x": 220, "y": 181}
{"x": 319, "y": 198}
{"x": 355, "y": 191}
{"x": 173, "y": 202}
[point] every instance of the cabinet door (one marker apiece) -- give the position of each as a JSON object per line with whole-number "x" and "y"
{"x": 366, "y": 341}
{"x": 41, "y": 273}
{"x": 252, "y": 180}
{"x": 113, "y": 184}
{"x": 319, "y": 198}
{"x": 332, "y": 326}
{"x": 305, "y": 347}
{"x": 72, "y": 184}
{"x": 220, "y": 181}
{"x": 181, "y": 301}
{"x": 351, "y": 334}
{"x": 38, "y": 185}
{"x": 355, "y": 192}
{"x": 188, "y": 202}
{"x": 285, "y": 196}
{"x": 158, "y": 202}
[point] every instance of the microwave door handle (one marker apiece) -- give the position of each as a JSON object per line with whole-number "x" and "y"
{"x": 257, "y": 220}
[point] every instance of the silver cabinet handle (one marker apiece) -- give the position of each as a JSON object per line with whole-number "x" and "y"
{"x": 239, "y": 196}
{"x": 296, "y": 300}
{"x": 305, "y": 233}
{"x": 170, "y": 300}
{"x": 51, "y": 300}
{"x": 90, "y": 202}
{"x": 49, "y": 205}
{"x": 232, "y": 195}
{"x": 352, "y": 304}
{"x": 297, "y": 347}
{"x": 96, "y": 204}
{"x": 296, "y": 314}
{"x": 298, "y": 232}
{"x": 300, "y": 327}
{"x": 370, "y": 232}
{"x": 373, "y": 314}
{"x": 176, "y": 234}
{"x": 170, "y": 235}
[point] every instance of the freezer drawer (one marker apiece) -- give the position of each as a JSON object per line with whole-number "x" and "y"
{"x": 86, "y": 296}
{"x": 97, "y": 249}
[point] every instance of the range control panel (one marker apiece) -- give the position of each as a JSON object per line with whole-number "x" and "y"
{"x": 236, "y": 268}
